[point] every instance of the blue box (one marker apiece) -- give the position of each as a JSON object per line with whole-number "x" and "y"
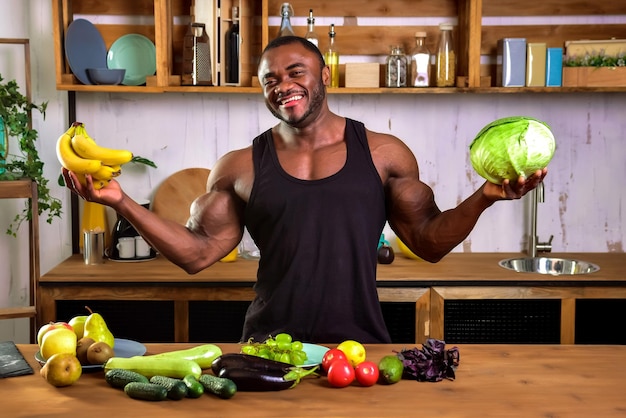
{"x": 554, "y": 67}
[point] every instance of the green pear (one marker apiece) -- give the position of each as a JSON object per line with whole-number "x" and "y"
{"x": 96, "y": 329}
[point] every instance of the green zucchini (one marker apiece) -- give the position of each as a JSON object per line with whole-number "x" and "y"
{"x": 145, "y": 391}
{"x": 202, "y": 354}
{"x": 118, "y": 378}
{"x": 154, "y": 366}
{"x": 176, "y": 388}
{"x": 194, "y": 388}
{"x": 222, "y": 387}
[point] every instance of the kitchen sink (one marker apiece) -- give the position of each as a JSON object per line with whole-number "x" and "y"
{"x": 549, "y": 265}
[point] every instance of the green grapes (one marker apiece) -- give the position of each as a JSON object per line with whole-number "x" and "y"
{"x": 279, "y": 348}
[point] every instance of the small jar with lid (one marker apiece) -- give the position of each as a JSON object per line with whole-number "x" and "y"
{"x": 396, "y": 65}
{"x": 446, "y": 58}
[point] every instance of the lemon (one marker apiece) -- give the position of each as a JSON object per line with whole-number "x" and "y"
{"x": 390, "y": 369}
{"x": 354, "y": 351}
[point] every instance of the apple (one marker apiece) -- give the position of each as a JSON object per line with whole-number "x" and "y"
{"x": 78, "y": 324}
{"x": 59, "y": 340}
{"x": 62, "y": 369}
{"x": 49, "y": 327}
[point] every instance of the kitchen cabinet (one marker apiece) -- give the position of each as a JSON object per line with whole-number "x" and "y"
{"x": 428, "y": 289}
{"x": 26, "y": 189}
{"x": 363, "y": 29}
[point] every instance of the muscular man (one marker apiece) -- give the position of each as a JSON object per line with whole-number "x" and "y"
{"x": 315, "y": 192}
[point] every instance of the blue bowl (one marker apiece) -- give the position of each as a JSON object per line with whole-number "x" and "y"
{"x": 110, "y": 76}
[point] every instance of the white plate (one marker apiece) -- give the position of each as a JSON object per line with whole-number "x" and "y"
{"x": 123, "y": 348}
{"x": 314, "y": 353}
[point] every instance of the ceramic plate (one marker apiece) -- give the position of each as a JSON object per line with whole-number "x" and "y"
{"x": 136, "y": 54}
{"x": 84, "y": 48}
{"x": 314, "y": 353}
{"x": 123, "y": 348}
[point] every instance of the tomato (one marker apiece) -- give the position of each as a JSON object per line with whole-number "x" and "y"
{"x": 331, "y": 356}
{"x": 366, "y": 373}
{"x": 340, "y": 374}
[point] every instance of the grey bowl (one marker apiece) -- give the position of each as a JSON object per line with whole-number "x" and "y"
{"x": 110, "y": 76}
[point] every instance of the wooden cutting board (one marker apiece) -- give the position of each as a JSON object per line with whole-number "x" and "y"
{"x": 174, "y": 196}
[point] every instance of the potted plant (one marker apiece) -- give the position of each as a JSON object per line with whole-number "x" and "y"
{"x": 597, "y": 70}
{"x": 15, "y": 121}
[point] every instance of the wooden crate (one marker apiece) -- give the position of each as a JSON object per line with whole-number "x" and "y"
{"x": 594, "y": 76}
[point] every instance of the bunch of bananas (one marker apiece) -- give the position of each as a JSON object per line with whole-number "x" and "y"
{"x": 79, "y": 153}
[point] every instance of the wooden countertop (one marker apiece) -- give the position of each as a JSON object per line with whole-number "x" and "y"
{"x": 454, "y": 269}
{"x": 492, "y": 380}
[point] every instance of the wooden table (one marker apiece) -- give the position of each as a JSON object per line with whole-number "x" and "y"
{"x": 457, "y": 276}
{"x": 491, "y": 381}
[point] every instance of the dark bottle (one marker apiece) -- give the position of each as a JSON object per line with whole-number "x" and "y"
{"x": 232, "y": 49}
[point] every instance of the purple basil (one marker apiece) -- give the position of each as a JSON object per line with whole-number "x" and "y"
{"x": 432, "y": 363}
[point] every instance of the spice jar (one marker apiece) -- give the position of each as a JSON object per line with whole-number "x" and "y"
{"x": 446, "y": 58}
{"x": 396, "y": 67}
{"x": 420, "y": 62}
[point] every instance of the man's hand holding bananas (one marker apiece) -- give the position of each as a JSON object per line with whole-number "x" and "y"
{"x": 79, "y": 153}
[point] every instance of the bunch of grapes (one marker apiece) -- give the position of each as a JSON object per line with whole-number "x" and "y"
{"x": 278, "y": 348}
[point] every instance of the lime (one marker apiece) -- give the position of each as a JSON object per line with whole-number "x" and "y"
{"x": 390, "y": 369}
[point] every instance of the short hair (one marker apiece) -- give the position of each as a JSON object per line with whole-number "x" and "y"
{"x": 290, "y": 39}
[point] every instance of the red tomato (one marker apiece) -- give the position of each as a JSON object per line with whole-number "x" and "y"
{"x": 366, "y": 373}
{"x": 331, "y": 356}
{"x": 340, "y": 374}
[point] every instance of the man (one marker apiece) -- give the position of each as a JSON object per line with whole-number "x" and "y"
{"x": 315, "y": 192}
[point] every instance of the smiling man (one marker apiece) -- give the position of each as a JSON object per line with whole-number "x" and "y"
{"x": 315, "y": 192}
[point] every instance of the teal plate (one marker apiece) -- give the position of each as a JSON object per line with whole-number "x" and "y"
{"x": 136, "y": 54}
{"x": 314, "y": 354}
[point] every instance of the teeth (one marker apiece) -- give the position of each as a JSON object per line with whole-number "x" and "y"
{"x": 291, "y": 99}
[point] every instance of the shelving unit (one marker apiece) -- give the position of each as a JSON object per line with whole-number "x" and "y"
{"x": 359, "y": 32}
{"x": 26, "y": 189}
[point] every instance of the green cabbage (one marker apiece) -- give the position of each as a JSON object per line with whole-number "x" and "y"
{"x": 511, "y": 147}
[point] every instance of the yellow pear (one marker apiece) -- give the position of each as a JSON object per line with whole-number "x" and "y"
{"x": 60, "y": 340}
{"x": 62, "y": 369}
{"x": 96, "y": 329}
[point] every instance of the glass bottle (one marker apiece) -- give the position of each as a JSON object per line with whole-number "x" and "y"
{"x": 286, "y": 11}
{"x": 396, "y": 67}
{"x": 332, "y": 57}
{"x": 232, "y": 49}
{"x": 311, "y": 36}
{"x": 420, "y": 62}
{"x": 196, "y": 57}
{"x": 446, "y": 58}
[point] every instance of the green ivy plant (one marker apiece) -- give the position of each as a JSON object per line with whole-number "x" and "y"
{"x": 599, "y": 60}
{"x": 15, "y": 111}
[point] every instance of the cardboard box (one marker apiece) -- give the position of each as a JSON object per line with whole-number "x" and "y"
{"x": 511, "y": 62}
{"x": 362, "y": 74}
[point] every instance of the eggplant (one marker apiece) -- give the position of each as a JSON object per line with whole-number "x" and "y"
{"x": 247, "y": 361}
{"x": 254, "y": 380}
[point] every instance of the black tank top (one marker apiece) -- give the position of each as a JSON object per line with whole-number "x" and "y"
{"x": 318, "y": 241}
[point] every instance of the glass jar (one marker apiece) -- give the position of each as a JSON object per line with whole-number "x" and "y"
{"x": 286, "y": 11}
{"x": 446, "y": 58}
{"x": 396, "y": 65}
{"x": 420, "y": 62}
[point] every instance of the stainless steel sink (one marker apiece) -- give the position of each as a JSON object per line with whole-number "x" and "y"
{"x": 549, "y": 265}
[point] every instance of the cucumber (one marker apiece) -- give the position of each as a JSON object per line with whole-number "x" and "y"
{"x": 194, "y": 388}
{"x": 118, "y": 378}
{"x": 222, "y": 387}
{"x": 176, "y": 389}
{"x": 154, "y": 366}
{"x": 202, "y": 354}
{"x": 146, "y": 391}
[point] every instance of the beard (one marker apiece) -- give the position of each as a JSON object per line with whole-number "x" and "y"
{"x": 317, "y": 96}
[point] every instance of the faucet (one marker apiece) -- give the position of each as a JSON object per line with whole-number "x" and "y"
{"x": 534, "y": 246}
